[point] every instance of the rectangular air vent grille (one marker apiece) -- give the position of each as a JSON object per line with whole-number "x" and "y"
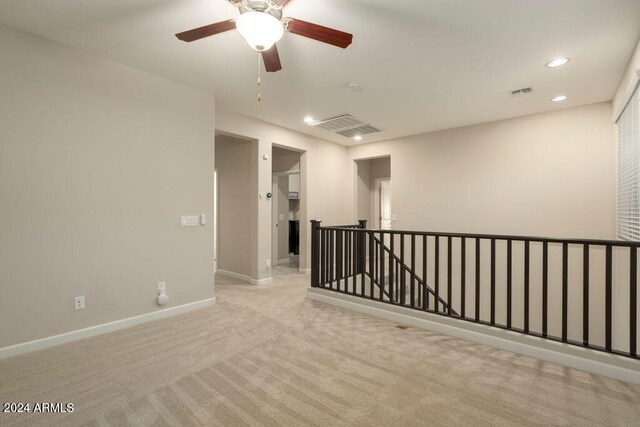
{"x": 346, "y": 125}
{"x": 522, "y": 92}
{"x": 362, "y": 130}
{"x": 340, "y": 122}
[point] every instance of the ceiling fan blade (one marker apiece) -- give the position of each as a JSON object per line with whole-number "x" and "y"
{"x": 318, "y": 32}
{"x": 271, "y": 60}
{"x": 206, "y": 31}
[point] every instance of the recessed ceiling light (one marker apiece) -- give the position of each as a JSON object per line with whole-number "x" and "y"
{"x": 357, "y": 138}
{"x": 558, "y": 62}
{"x": 559, "y": 98}
{"x": 308, "y": 120}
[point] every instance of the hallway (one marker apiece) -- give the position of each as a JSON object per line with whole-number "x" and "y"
{"x": 265, "y": 355}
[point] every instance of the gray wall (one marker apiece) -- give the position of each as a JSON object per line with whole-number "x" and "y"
{"x": 233, "y": 161}
{"x": 97, "y": 163}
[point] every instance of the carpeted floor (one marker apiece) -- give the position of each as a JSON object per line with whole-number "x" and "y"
{"x": 267, "y": 356}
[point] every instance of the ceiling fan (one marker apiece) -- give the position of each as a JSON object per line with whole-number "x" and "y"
{"x": 261, "y": 25}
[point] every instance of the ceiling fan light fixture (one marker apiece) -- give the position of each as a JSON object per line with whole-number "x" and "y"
{"x": 259, "y": 29}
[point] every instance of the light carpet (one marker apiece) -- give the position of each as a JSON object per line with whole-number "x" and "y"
{"x": 267, "y": 356}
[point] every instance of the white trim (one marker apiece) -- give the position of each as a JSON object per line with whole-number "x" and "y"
{"x": 245, "y": 278}
{"x": 284, "y": 261}
{"x": 304, "y": 270}
{"x": 91, "y": 331}
{"x": 259, "y": 282}
{"x": 609, "y": 365}
{"x": 619, "y": 108}
{"x": 234, "y": 275}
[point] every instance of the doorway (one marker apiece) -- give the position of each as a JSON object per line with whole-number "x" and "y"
{"x": 285, "y": 208}
{"x": 372, "y": 195}
{"x": 233, "y": 208}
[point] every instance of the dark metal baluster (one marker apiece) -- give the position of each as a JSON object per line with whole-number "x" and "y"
{"x": 391, "y": 266}
{"x": 565, "y": 289}
{"x": 347, "y": 257}
{"x": 526, "y": 287}
{"x": 403, "y": 284}
{"x": 608, "y": 298}
{"x": 425, "y": 295}
{"x": 545, "y": 286}
{"x": 463, "y": 276}
{"x": 382, "y": 251}
{"x": 375, "y": 262}
{"x": 477, "y": 296}
{"x": 331, "y": 257}
{"x": 354, "y": 261}
{"x": 493, "y": 281}
{"x": 413, "y": 270}
{"x": 449, "y": 275}
{"x": 436, "y": 272}
{"x": 633, "y": 302}
{"x": 585, "y": 294}
{"x": 509, "y": 281}
{"x": 371, "y": 243}
{"x": 362, "y": 252}
{"x": 323, "y": 261}
{"x": 339, "y": 258}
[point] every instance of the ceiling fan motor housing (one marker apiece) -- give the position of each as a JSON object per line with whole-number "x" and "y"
{"x": 265, "y": 6}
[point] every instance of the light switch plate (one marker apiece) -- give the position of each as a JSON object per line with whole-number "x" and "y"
{"x": 78, "y": 303}
{"x": 189, "y": 220}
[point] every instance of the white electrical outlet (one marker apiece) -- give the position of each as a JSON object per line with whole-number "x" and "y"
{"x": 268, "y": 263}
{"x": 162, "y": 287}
{"x": 78, "y": 303}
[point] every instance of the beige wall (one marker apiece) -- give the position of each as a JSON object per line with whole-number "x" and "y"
{"x": 550, "y": 174}
{"x": 322, "y": 178}
{"x": 363, "y": 191}
{"x": 233, "y": 162}
{"x": 97, "y": 163}
{"x": 285, "y": 160}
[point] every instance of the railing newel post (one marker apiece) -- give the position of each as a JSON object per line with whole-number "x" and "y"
{"x": 315, "y": 253}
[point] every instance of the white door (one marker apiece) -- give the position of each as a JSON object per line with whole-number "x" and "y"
{"x": 384, "y": 192}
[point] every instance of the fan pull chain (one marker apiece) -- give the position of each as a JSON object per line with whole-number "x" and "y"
{"x": 259, "y": 67}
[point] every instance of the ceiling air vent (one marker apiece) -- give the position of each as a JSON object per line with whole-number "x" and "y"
{"x": 522, "y": 92}
{"x": 346, "y": 125}
{"x": 362, "y": 130}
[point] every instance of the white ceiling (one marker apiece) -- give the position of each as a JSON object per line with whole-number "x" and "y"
{"x": 423, "y": 65}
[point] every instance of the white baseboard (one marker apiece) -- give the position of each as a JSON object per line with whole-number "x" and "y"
{"x": 305, "y": 270}
{"x": 284, "y": 261}
{"x": 596, "y": 362}
{"x": 245, "y": 278}
{"x": 259, "y": 282}
{"x": 40, "y": 344}
{"x": 234, "y": 275}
